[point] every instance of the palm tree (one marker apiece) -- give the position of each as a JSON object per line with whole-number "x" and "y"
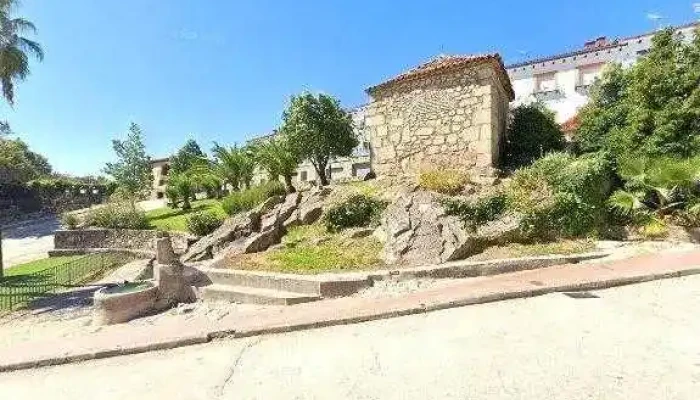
{"x": 278, "y": 158}
{"x": 14, "y": 49}
{"x": 234, "y": 165}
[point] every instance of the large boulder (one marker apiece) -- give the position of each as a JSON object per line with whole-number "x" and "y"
{"x": 241, "y": 225}
{"x": 418, "y": 231}
{"x": 312, "y": 205}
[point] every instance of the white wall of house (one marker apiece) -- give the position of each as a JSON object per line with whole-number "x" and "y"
{"x": 561, "y": 82}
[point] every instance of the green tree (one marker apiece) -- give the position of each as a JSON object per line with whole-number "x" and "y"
{"x": 532, "y": 133}
{"x": 189, "y": 155}
{"x": 15, "y": 49}
{"x": 651, "y": 109}
{"x": 234, "y": 165}
{"x": 319, "y": 129}
{"x": 19, "y": 165}
{"x": 132, "y": 170}
{"x": 279, "y": 158}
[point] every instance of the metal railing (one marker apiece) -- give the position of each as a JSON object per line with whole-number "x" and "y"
{"x": 18, "y": 290}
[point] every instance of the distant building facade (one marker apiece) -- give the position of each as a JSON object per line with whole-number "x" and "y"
{"x": 562, "y": 81}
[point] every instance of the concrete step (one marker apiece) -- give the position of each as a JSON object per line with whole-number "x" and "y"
{"x": 250, "y": 295}
{"x": 311, "y": 285}
{"x": 263, "y": 280}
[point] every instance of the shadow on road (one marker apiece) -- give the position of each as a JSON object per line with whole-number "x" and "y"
{"x": 37, "y": 228}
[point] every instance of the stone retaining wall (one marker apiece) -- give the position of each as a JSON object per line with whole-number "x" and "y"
{"x": 141, "y": 240}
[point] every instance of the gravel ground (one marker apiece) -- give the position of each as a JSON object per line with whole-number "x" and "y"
{"x": 632, "y": 342}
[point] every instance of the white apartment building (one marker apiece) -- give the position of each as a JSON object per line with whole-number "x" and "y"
{"x": 562, "y": 81}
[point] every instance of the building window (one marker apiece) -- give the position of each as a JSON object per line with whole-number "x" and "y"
{"x": 165, "y": 169}
{"x": 546, "y": 82}
{"x": 303, "y": 176}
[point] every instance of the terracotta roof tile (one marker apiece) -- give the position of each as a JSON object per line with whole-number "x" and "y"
{"x": 571, "y": 124}
{"x": 446, "y": 62}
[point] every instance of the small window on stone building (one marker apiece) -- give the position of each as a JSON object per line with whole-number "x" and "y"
{"x": 303, "y": 176}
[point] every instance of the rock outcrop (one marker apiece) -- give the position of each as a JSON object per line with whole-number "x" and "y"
{"x": 257, "y": 230}
{"x": 416, "y": 230}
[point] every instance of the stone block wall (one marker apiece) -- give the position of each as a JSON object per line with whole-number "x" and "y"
{"x": 451, "y": 119}
{"x": 132, "y": 239}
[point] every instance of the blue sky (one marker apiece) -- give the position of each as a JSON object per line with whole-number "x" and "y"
{"x": 219, "y": 70}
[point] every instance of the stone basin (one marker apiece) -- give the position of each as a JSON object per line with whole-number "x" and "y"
{"x": 117, "y": 304}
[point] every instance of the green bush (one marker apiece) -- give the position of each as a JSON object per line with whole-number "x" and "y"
{"x": 117, "y": 216}
{"x": 247, "y": 199}
{"x": 356, "y": 211}
{"x": 445, "y": 181}
{"x": 203, "y": 223}
{"x": 479, "y": 212}
{"x": 532, "y": 133}
{"x": 70, "y": 221}
{"x": 562, "y": 195}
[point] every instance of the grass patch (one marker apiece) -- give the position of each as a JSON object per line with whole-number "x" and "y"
{"x": 27, "y": 282}
{"x": 311, "y": 250}
{"x": 175, "y": 219}
{"x": 39, "y": 265}
{"x": 515, "y": 250}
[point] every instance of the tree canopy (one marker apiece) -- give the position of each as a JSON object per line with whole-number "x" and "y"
{"x": 532, "y": 132}
{"x": 651, "y": 109}
{"x": 132, "y": 170}
{"x": 279, "y": 158}
{"x": 189, "y": 155}
{"x": 319, "y": 130}
{"x": 15, "y": 49}
{"x": 19, "y": 165}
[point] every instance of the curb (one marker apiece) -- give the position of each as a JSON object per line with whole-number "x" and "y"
{"x": 201, "y": 338}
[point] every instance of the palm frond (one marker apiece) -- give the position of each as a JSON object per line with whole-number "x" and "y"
{"x": 625, "y": 203}
{"x": 31, "y": 46}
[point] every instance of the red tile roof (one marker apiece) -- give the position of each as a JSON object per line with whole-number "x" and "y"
{"x": 447, "y": 62}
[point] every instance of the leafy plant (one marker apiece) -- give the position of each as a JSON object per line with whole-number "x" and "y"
{"x": 249, "y": 198}
{"x": 132, "y": 171}
{"x": 203, "y": 223}
{"x": 356, "y": 211}
{"x": 234, "y": 165}
{"x": 320, "y": 129}
{"x": 445, "y": 181}
{"x": 117, "y": 216}
{"x": 14, "y": 60}
{"x": 532, "y": 133}
{"x": 478, "y": 212}
{"x": 562, "y": 195}
{"x": 70, "y": 221}
{"x": 279, "y": 158}
{"x": 650, "y": 109}
{"x": 657, "y": 188}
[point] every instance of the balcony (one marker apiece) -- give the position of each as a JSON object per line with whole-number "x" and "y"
{"x": 544, "y": 95}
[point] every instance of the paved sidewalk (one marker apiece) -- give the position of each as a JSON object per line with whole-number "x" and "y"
{"x": 127, "y": 339}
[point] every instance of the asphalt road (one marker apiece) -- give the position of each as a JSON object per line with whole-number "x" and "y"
{"x": 28, "y": 241}
{"x": 634, "y": 342}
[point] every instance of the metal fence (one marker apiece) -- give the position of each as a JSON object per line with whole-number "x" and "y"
{"x": 18, "y": 290}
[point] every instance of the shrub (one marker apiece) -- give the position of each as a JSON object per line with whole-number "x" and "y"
{"x": 356, "y": 211}
{"x": 70, "y": 221}
{"x": 479, "y": 212}
{"x": 561, "y": 195}
{"x": 117, "y": 216}
{"x": 532, "y": 133}
{"x": 245, "y": 200}
{"x": 203, "y": 223}
{"x": 445, "y": 181}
